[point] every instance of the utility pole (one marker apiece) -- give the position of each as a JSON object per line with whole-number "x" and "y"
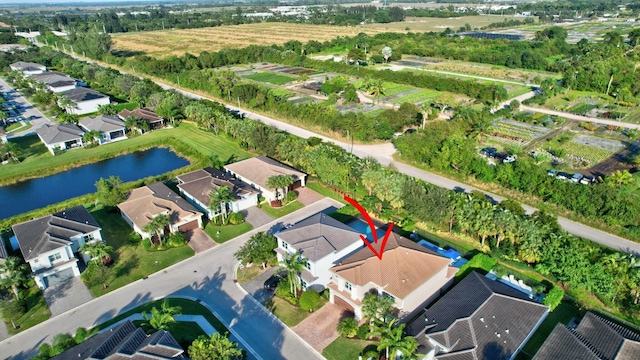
{"x": 162, "y": 24}
{"x": 104, "y": 29}
{"x": 136, "y": 26}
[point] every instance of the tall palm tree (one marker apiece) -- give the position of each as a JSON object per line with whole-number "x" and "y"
{"x": 392, "y": 339}
{"x": 294, "y": 264}
{"x": 92, "y": 136}
{"x": 15, "y": 273}
{"x": 161, "y": 318}
{"x": 157, "y": 225}
{"x": 10, "y": 150}
{"x": 219, "y": 199}
{"x": 97, "y": 250}
{"x": 376, "y": 308}
{"x": 277, "y": 182}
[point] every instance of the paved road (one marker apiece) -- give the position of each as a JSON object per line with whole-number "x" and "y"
{"x": 27, "y": 111}
{"x": 208, "y": 277}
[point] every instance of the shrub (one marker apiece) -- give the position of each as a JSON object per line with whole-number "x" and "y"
{"x": 553, "y": 298}
{"x": 310, "y": 301}
{"x": 176, "y": 239}
{"x": 348, "y": 327}
{"x": 479, "y": 261}
{"x": 284, "y": 291}
{"x": 135, "y": 238}
{"x": 146, "y": 243}
{"x": 291, "y": 196}
{"x": 363, "y": 331}
{"x": 236, "y": 218}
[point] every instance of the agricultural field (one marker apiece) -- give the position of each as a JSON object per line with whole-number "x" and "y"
{"x": 421, "y": 24}
{"x": 506, "y": 132}
{"x": 590, "y": 150}
{"x": 390, "y": 89}
{"x": 271, "y": 78}
{"x": 177, "y": 42}
{"x": 416, "y": 97}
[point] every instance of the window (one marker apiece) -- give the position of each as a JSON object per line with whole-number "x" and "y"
{"x": 284, "y": 245}
{"x": 308, "y": 265}
{"x": 304, "y": 284}
{"x": 88, "y": 238}
{"x": 389, "y": 296}
{"x": 347, "y": 285}
{"x": 54, "y": 257}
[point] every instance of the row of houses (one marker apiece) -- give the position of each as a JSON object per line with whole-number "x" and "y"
{"x": 50, "y": 244}
{"x": 83, "y": 100}
{"x": 110, "y": 127}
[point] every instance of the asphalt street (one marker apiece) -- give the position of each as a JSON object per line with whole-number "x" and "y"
{"x": 207, "y": 277}
{"x": 28, "y": 110}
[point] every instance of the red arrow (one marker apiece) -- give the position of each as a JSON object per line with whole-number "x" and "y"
{"x": 372, "y": 227}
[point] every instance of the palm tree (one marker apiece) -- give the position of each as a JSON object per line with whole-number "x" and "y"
{"x": 280, "y": 182}
{"x": 10, "y": 150}
{"x": 14, "y": 272}
{"x": 215, "y": 347}
{"x": 347, "y": 327}
{"x": 392, "y": 338}
{"x": 92, "y": 136}
{"x": 157, "y": 225}
{"x": 66, "y": 103}
{"x": 376, "y": 308}
{"x": 69, "y": 118}
{"x": 161, "y": 318}
{"x": 97, "y": 250}
{"x": 376, "y": 88}
{"x": 620, "y": 177}
{"x": 294, "y": 264}
{"x": 219, "y": 199}
{"x": 169, "y": 111}
{"x": 108, "y": 109}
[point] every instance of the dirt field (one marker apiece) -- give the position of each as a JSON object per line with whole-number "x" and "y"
{"x": 177, "y": 42}
{"x": 194, "y": 41}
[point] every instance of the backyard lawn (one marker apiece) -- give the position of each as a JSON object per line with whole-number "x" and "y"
{"x": 282, "y": 211}
{"x": 37, "y": 311}
{"x": 221, "y": 234}
{"x": 131, "y": 261}
{"x": 344, "y": 349}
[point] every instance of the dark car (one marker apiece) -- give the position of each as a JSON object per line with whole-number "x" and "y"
{"x": 272, "y": 283}
{"x": 489, "y": 151}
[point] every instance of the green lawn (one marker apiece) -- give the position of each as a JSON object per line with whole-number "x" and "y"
{"x": 221, "y": 234}
{"x": 131, "y": 261}
{"x": 283, "y": 310}
{"x": 322, "y": 190}
{"x": 416, "y": 97}
{"x": 282, "y": 211}
{"x": 18, "y": 126}
{"x": 562, "y": 314}
{"x": 37, "y": 161}
{"x": 347, "y": 349}
{"x": 271, "y": 78}
{"x": 189, "y": 307}
{"x": 37, "y": 311}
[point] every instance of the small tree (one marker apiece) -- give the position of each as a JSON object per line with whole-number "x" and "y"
{"x": 514, "y": 105}
{"x": 97, "y": 251}
{"x": 218, "y": 200}
{"x": 347, "y": 327}
{"x": 259, "y": 249}
{"x": 92, "y": 136}
{"x": 280, "y": 182}
{"x": 386, "y": 53}
{"x": 108, "y": 109}
{"x": 161, "y": 318}
{"x": 215, "y": 347}
{"x": 109, "y": 191}
{"x": 310, "y": 300}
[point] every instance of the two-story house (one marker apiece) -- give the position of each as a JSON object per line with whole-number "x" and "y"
{"x": 323, "y": 241}
{"x": 197, "y": 186}
{"x": 408, "y": 273}
{"x": 49, "y": 243}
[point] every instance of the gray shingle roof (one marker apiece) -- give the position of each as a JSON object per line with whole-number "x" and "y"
{"x": 54, "y": 79}
{"x": 594, "y": 338}
{"x": 83, "y": 94}
{"x": 27, "y": 66}
{"x": 481, "y": 317}
{"x": 3, "y": 250}
{"x": 56, "y": 133}
{"x": 319, "y": 235}
{"x": 53, "y": 231}
{"x": 125, "y": 341}
{"x": 102, "y": 123}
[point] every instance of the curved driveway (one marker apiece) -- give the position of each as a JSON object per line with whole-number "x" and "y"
{"x": 208, "y": 277}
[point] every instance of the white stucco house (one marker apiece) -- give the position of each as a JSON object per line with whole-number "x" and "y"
{"x": 50, "y": 243}
{"x": 56, "y": 81}
{"x": 28, "y": 68}
{"x": 408, "y": 273}
{"x": 85, "y": 100}
{"x": 255, "y": 172}
{"x": 323, "y": 241}
{"x": 60, "y": 136}
{"x": 147, "y": 202}
{"x": 110, "y": 127}
{"x": 197, "y": 186}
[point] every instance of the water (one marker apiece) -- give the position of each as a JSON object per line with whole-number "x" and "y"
{"x": 38, "y": 193}
{"x": 363, "y": 228}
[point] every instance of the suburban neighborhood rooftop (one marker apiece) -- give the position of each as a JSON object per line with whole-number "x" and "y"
{"x": 83, "y": 94}
{"x": 55, "y": 133}
{"x": 102, "y": 123}
{"x": 258, "y": 169}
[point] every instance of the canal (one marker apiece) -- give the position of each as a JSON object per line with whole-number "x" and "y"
{"x": 37, "y": 193}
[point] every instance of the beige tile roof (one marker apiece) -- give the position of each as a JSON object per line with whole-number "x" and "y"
{"x": 144, "y": 203}
{"x": 140, "y": 113}
{"x": 201, "y": 183}
{"x": 258, "y": 169}
{"x": 405, "y": 266}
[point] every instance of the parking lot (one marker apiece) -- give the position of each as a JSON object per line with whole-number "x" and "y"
{"x": 20, "y": 109}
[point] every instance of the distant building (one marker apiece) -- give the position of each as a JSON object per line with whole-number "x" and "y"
{"x": 60, "y": 136}
{"x": 85, "y": 100}
{"x": 56, "y": 81}
{"x": 28, "y": 68}
{"x": 110, "y": 127}
{"x": 154, "y": 120}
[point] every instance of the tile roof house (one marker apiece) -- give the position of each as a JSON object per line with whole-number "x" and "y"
{"x": 323, "y": 241}
{"x": 60, "y": 136}
{"x": 49, "y": 243}
{"x": 198, "y": 185}
{"x": 255, "y": 172}
{"x": 145, "y": 203}
{"x": 56, "y": 81}
{"x": 28, "y": 68}
{"x": 125, "y": 341}
{"x": 86, "y": 100}
{"x": 409, "y": 273}
{"x": 594, "y": 338}
{"x": 479, "y": 318}
{"x": 111, "y": 127}
{"x": 154, "y": 120}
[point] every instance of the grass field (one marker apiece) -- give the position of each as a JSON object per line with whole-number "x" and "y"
{"x": 417, "y": 97}
{"x": 177, "y": 42}
{"x": 221, "y": 234}
{"x": 271, "y": 78}
{"x": 282, "y": 211}
{"x": 36, "y": 159}
{"x": 283, "y": 310}
{"x": 344, "y": 349}
{"x": 37, "y": 311}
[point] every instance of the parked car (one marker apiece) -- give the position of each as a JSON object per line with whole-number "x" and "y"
{"x": 509, "y": 159}
{"x": 272, "y": 283}
{"x": 552, "y": 172}
{"x": 576, "y": 178}
{"x": 409, "y": 131}
{"x": 489, "y": 151}
{"x": 563, "y": 176}
{"x": 586, "y": 180}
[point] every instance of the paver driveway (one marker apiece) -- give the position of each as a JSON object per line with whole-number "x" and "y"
{"x": 199, "y": 240}
{"x": 319, "y": 329}
{"x": 66, "y": 295}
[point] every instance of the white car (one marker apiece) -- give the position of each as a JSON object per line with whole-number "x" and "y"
{"x": 509, "y": 159}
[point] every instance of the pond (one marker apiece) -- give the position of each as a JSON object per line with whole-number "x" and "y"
{"x": 37, "y": 193}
